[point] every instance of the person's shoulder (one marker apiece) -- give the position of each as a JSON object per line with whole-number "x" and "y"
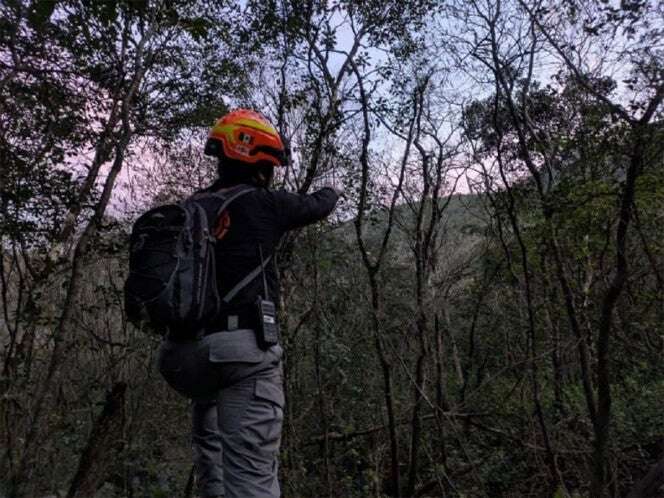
{"x": 280, "y": 192}
{"x": 265, "y": 196}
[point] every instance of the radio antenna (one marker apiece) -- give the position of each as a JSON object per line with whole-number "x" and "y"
{"x": 260, "y": 252}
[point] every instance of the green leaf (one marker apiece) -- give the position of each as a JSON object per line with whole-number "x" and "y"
{"x": 561, "y": 492}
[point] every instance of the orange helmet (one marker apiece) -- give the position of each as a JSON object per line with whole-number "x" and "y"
{"x": 246, "y": 136}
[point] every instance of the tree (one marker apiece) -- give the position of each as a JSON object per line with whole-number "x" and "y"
{"x": 117, "y": 71}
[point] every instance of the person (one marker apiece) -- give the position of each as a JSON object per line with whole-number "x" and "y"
{"x": 236, "y": 387}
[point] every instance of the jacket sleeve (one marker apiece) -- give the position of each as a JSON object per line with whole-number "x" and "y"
{"x": 298, "y": 210}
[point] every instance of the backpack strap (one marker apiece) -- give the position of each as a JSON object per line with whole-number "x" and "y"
{"x": 229, "y": 196}
{"x": 245, "y": 281}
{"x": 234, "y": 194}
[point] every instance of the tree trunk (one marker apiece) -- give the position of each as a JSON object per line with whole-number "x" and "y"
{"x": 104, "y": 442}
{"x": 388, "y": 394}
{"x": 602, "y": 426}
{"x": 650, "y": 484}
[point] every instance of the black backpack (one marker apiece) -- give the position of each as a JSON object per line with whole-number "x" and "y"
{"x": 172, "y": 283}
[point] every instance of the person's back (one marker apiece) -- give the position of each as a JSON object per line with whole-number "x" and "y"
{"x": 236, "y": 386}
{"x": 257, "y": 222}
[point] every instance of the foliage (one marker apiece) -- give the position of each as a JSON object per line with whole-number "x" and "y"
{"x": 446, "y": 331}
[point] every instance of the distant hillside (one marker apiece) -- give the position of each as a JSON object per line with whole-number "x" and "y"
{"x": 463, "y": 216}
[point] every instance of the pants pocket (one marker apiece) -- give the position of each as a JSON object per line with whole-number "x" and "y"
{"x": 264, "y": 417}
{"x": 238, "y": 346}
{"x": 251, "y": 421}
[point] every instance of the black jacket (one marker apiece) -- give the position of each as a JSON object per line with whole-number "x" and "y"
{"x": 262, "y": 217}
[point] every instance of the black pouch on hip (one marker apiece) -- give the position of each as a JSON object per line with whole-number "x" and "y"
{"x": 267, "y": 330}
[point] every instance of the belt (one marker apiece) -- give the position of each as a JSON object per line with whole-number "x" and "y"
{"x": 229, "y": 323}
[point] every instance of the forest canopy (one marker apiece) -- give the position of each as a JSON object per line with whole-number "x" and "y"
{"x": 482, "y": 316}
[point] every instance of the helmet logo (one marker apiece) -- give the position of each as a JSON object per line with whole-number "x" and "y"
{"x": 245, "y": 138}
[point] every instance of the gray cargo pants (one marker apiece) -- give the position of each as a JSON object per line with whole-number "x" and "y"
{"x": 238, "y": 401}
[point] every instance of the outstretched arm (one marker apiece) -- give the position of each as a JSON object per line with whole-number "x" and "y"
{"x": 298, "y": 210}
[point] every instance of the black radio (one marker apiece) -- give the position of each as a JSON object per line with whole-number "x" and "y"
{"x": 267, "y": 329}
